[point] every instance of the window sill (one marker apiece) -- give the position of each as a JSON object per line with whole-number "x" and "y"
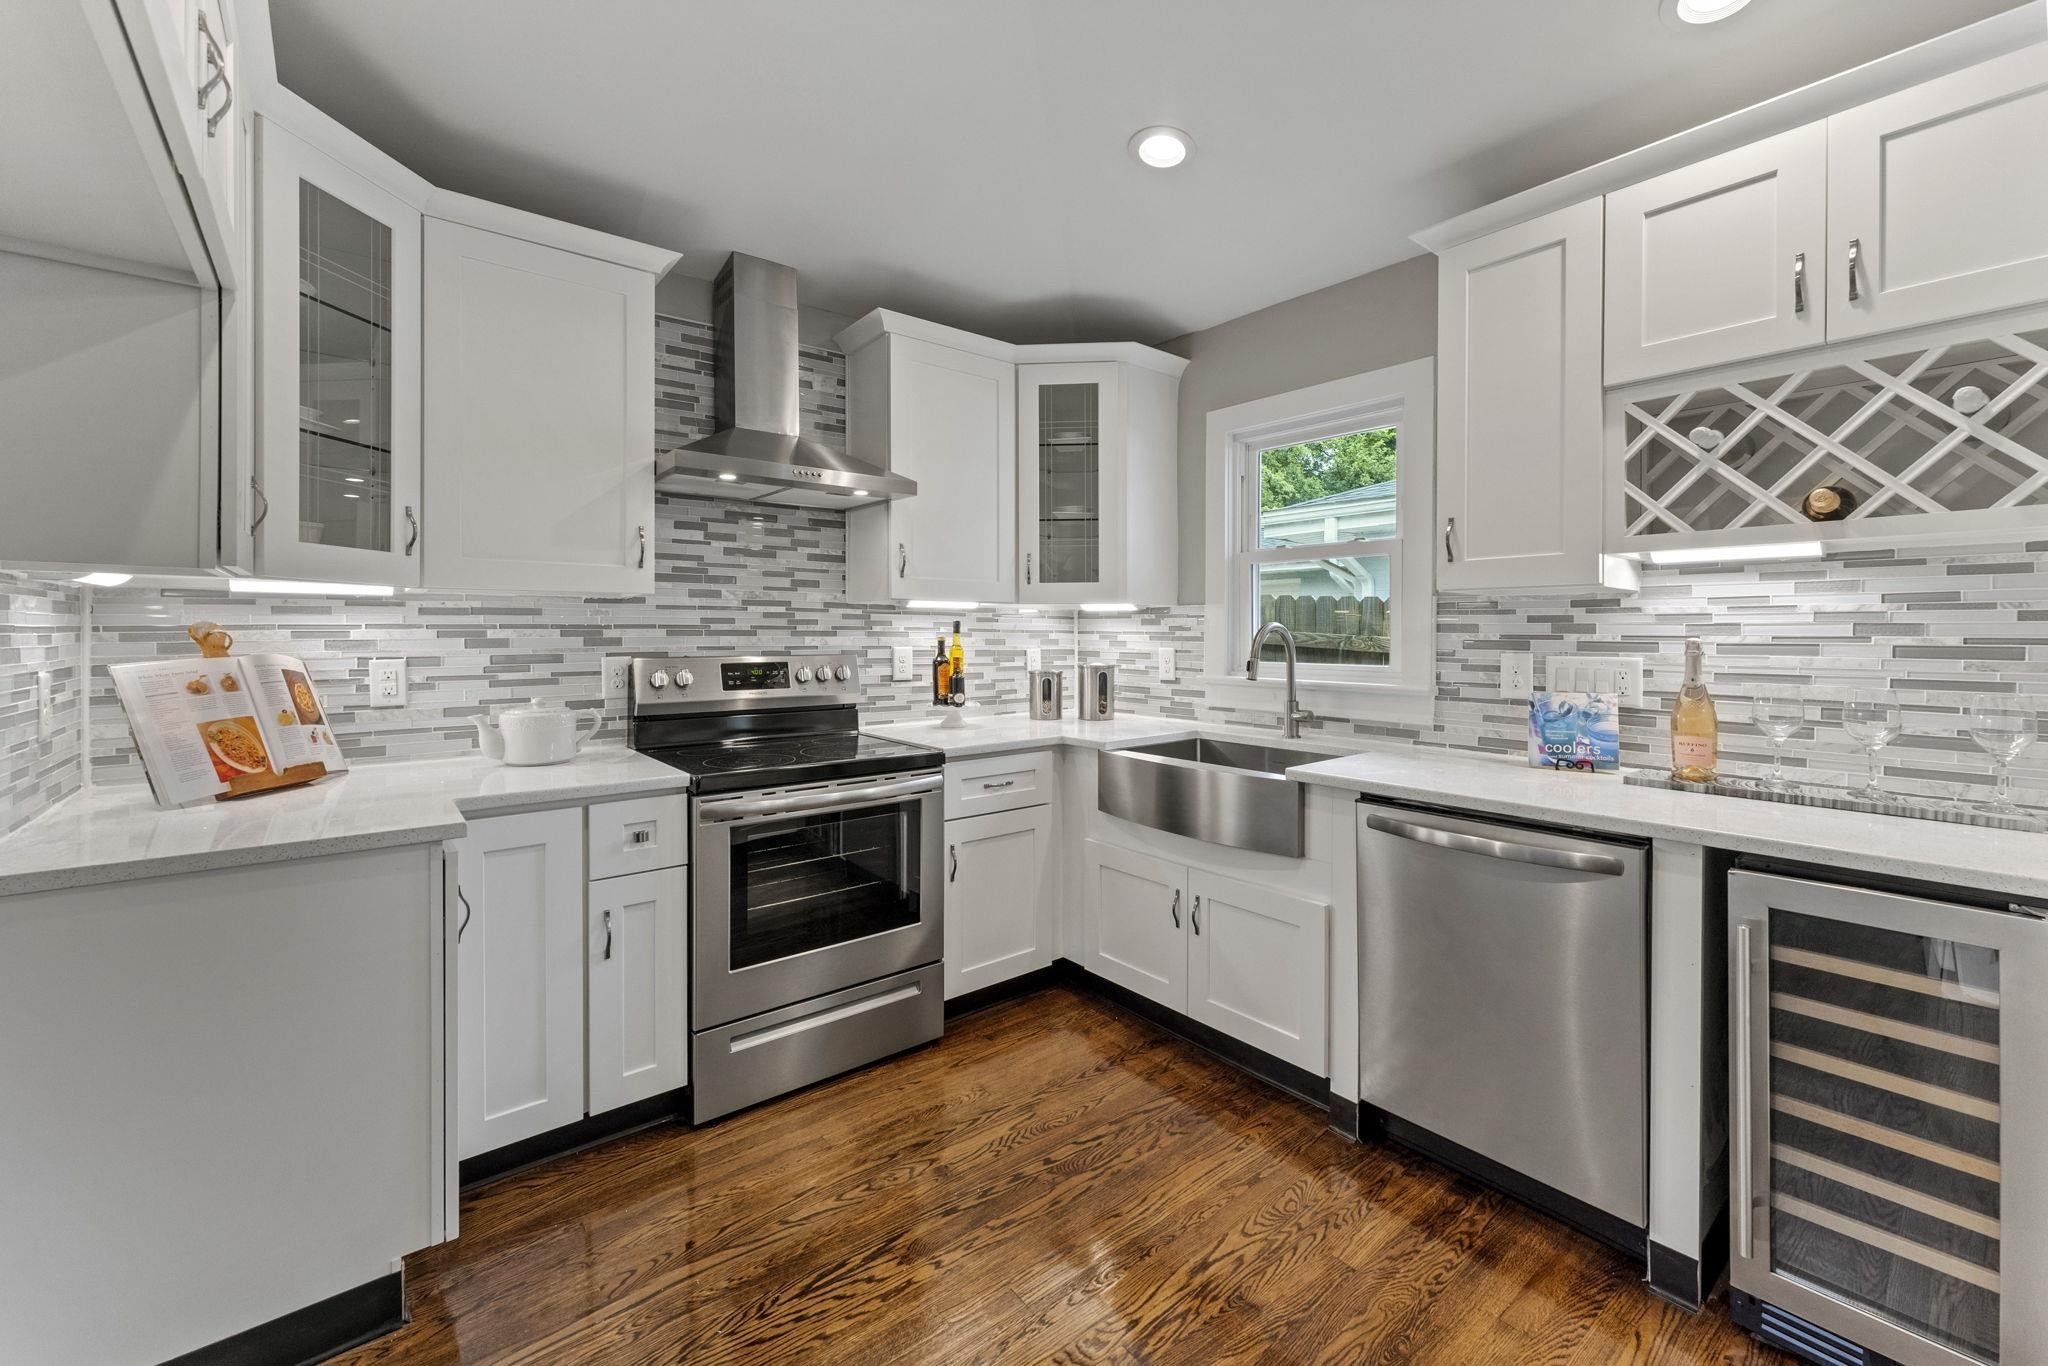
{"x": 1399, "y": 704}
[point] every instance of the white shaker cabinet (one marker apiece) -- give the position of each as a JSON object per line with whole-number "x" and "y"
{"x": 637, "y": 941}
{"x": 1938, "y": 199}
{"x": 940, "y": 407}
{"x": 1136, "y": 915}
{"x": 539, "y": 422}
{"x": 1719, "y": 261}
{"x": 1258, "y": 964}
{"x": 520, "y": 978}
{"x": 1000, "y": 871}
{"x": 1520, "y": 438}
{"x": 337, "y": 485}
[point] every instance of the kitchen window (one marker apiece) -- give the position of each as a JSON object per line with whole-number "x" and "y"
{"x": 1323, "y": 527}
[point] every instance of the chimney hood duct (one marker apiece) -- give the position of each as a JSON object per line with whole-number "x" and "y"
{"x": 757, "y": 442}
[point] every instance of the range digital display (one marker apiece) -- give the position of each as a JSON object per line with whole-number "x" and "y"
{"x": 754, "y": 677}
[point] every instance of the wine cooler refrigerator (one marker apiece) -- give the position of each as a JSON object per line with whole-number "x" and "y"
{"x": 1888, "y": 1172}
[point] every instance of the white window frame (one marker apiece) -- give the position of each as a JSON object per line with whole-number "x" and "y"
{"x": 1400, "y": 396}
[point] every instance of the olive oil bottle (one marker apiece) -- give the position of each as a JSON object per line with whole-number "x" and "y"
{"x": 942, "y": 683}
{"x": 956, "y": 671}
{"x": 1695, "y": 730}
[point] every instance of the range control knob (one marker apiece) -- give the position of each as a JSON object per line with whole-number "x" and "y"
{"x": 824, "y": 670}
{"x": 658, "y": 679}
{"x": 842, "y": 673}
{"x": 683, "y": 678}
{"x": 803, "y": 675}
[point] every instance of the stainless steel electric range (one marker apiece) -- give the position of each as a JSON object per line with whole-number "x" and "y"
{"x": 816, "y": 895}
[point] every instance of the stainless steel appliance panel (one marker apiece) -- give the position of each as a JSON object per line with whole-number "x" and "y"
{"x": 803, "y": 891}
{"x": 1503, "y": 996}
{"x": 766, "y": 1055}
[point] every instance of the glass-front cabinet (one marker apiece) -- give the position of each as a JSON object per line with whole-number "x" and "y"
{"x": 1889, "y": 1171}
{"x": 1071, "y": 484}
{"x": 337, "y": 492}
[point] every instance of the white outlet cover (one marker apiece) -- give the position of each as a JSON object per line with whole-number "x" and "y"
{"x": 618, "y": 676}
{"x": 902, "y": 664}
{"x": 1515, "y": 674}
{"x": 1169, "y": 670}
{"x": 387, "y": 682}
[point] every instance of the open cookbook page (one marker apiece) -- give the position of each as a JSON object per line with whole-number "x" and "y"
{"x": 215, "y": 728}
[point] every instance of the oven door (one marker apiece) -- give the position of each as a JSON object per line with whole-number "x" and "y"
{"x": 808, "y": 890}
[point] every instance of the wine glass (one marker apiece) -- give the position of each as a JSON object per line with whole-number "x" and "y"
{"x": 1873, "y": 720}
{"x": 2002, "y": 730}
{"x": 1778, "y": 711}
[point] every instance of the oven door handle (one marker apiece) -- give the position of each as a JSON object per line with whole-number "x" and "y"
{"x": 734, "y": 809}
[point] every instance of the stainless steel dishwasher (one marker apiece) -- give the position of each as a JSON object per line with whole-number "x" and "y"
{"x": 1502, "y": 1007}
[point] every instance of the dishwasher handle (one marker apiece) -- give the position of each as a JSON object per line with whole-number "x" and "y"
{"x": 1605, "y": 865}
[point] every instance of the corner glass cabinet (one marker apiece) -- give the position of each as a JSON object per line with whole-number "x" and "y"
{"x": 1069, "y": 417}
{"x": 1887, "y": 1160}
{"x": 337, "y": 493}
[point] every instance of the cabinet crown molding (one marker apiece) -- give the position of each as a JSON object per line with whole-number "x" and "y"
{"x": 887, "y": 322}
{"x": 549, "y": 232}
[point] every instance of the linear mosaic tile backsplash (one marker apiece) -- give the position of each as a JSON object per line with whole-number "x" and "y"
{"x": 40, "y": 630}
{"x": 1937, "y": 627}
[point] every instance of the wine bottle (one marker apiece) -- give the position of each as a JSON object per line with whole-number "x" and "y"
{"x": 942, "y": 686}
{"x": 1828, "y": 503}
{"x": 956, "y": 671}
{"x": 1695, "y": 731}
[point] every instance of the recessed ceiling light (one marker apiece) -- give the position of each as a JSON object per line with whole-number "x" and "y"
{"x": 1161, "y": 147}
{"x": 1700, "y": 11}
{"x": 729, "y": 478}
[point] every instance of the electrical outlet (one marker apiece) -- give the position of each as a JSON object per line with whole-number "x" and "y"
{"x": 46, "y": 706}
{"x": 902, "y": 664}
{"x": 1629, "y": 671}
{"x": 618, "y": 677}
{"x": 1168, "y": 669}
{"x": 387, "y": 682}
{"x": 1514, "y": 674}
{"x": 1034, "y": 659}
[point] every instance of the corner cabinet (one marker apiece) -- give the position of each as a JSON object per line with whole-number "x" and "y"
{"x": 538, "y": 438}
{"x": 336, "y": 493}
{"x": 1520, "y": 459}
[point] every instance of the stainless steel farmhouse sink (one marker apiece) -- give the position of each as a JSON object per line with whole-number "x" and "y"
{"x": 1227, "y": 792}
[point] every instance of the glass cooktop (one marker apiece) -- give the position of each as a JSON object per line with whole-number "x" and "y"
{"x": 786, "y": 760}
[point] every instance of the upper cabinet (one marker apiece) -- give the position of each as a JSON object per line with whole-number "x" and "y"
{"x": 337, "y": 493}
{"x": 1719, "y": 261}
{"x": 1519, "y": 458}
{"x": 539, "y": 428}
{"x": 1938, "y": 199}
{"x": 1044, "y": 473}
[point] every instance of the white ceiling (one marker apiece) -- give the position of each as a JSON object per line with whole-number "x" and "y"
{"x": 964, "y": 160}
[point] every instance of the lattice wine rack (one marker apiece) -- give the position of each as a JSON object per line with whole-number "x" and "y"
{"x": 1950, "y": 426}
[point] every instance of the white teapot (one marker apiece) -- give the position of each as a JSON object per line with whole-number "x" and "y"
{"x": 541, "y": 732}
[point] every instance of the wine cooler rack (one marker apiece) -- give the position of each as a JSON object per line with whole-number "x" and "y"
{"x": 1951, "y": 426}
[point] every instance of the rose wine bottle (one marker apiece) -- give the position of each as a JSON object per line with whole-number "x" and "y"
{"x": 1695, "y": 731}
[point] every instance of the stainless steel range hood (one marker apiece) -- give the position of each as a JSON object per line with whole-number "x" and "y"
{"x": 757, "y": 453}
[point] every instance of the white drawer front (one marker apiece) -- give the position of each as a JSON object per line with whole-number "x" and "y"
{"x": 639, "y": 835}
{"x": 999, "y": 782}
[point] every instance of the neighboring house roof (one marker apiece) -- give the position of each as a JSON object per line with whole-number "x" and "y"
{"x": 1369, "y": 493}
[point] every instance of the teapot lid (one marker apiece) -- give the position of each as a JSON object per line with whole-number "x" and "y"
{"x": 535, "y": 706}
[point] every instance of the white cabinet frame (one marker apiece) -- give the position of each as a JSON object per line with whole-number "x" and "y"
{"x": 637, "y": 946}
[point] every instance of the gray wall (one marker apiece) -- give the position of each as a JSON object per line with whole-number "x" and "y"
{"x": 1363, "y": 324}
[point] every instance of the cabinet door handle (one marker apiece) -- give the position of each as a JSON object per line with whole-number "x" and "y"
{"x": 1027, "y": 568}
{"x": 1799, "y": 283}
{"x": 262, "y": 504}
{"x": 413, "y": 537}
{"x": 1450, "y": 555}
{"x": 1174, "y": 909}
{"x": 902, "y": 559}
{"x": 1195, "y": 915}
{"x": 643, "y": 549}
{"x": 1855, "y": 264}
{"x": 953, "y": 852}
{"x": 607, "y": 936}
{"x": 465, "y": 915}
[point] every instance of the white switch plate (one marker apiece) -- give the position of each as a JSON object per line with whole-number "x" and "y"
{"x": 1168, "y": 669}
{"x": 1034, "y": 659}
{"x": 902, "y": 664}
{"x": 46, "y": 706}
{"x": 387, "y": 682}
{"x": 618, "y": 677}
{"x": 1514, "y": 674}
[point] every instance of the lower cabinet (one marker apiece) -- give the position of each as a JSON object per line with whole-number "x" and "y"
{"x": 1243, "y": 959}
{"x": 637, "y": 939}
{"x": 999, "y": 874}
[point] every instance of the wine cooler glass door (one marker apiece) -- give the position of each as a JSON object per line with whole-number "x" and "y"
{"x": 1887, "y": 1177}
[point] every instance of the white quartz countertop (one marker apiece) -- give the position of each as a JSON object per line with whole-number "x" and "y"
{"x": 1002, "y": 733}
{"x": 113, "y": 834}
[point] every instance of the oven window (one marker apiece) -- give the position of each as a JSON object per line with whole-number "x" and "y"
{"x": 814, "y": 881}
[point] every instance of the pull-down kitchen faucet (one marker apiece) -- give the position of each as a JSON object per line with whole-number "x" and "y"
{"x": 1291, "y": 719}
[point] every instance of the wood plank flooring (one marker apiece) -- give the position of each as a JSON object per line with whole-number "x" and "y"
{"x": 1056, "y": 1180}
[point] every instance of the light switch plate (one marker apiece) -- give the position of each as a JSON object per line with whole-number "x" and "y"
{"x": 1034, "y": 659}
{"x": 1168, "y": 669}
{"x": 387, "y": 682}
{"x": 902, "y": 665}
{"x": 1515, "y": 674}
{"x": 618, "y": 677}
{"x": 46, "y": 705}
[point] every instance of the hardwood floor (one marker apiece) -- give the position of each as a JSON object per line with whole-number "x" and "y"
{"x": 1056, "y": 1180}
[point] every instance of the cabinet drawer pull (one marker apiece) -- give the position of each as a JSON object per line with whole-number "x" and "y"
{"x": 953, "y": 852}
{"x": 1855, "y": 264}
{"x": 997, "y": 787}
{"x": 1174, "y": 909}
{"x": 1799, "y": 283}
{"x": 465, "y": 915}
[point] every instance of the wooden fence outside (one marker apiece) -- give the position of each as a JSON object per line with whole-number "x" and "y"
{"x": 1331, "y": 630}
